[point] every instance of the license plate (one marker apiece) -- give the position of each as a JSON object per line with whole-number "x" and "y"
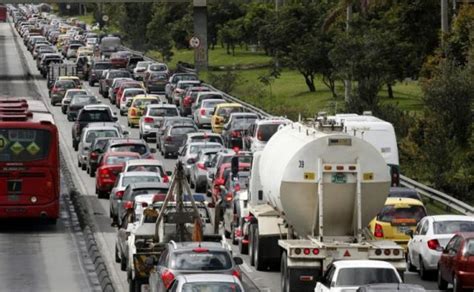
{"x": 403, "y": 229}
{"x": 339, "y": 178}
{"x": 15, "y": 210}
{"x": 145, "y": 288}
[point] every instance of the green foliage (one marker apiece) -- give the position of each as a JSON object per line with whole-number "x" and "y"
{"x": 226, "y": 81}
{"x": 461, "y": 36}
{"x": 158, "y": 33}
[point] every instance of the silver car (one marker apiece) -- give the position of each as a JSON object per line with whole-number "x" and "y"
{"x": 204, "y": 137}
{"x": 207, "y": 282}
{"x": 122, "y": 181}
{"x": 180, "y": 89}
{"x": 203, "y": 111}
{"x": 68, "y": 97}
{"x": 198, "y": 172}
{"x": 189, "y": 152}
{"x": 127, "y": 95}
{"x": 88, "y": 135}
{"x": 139, "y": 70}
{"x": 153, "y": 117}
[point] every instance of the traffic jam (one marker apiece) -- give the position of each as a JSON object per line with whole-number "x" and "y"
{"x": 194, "y": 179}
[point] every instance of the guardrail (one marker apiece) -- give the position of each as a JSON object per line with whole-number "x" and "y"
{"x": 448, "y": 201}
{"x": 432, "y": 194}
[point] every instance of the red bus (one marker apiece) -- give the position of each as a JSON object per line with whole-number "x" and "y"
{"x": 29, "y": 161}
{"x": 3, "y": 13}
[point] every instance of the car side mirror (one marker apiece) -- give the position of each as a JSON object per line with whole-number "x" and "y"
{"x": 238, "y": 261}
{"x": 114, "y": 119}
{"x": 86, "y": 148}
{"x": 153, "y": 150}
{"x": 126, "y": 133}
{"x": 409, "y": 233}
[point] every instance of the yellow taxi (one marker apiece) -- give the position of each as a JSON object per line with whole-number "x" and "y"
{"x": 397, "y": 217}
{"x": 76, "y": 80}
{"x": 222, "y": 113}
{"x": 137, "y": 108}
{"x": 62, "y": 39}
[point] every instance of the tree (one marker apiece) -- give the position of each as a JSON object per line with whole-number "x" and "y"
{"x": 134, "y": 23}
{"x": 218, "y": 13}
{"x": 158, "y": 33}
{"x": 231, "y": 34}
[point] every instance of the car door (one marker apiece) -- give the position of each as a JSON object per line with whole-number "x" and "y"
{"x": 450, "y": 257}
{"x": 419, "y": 237}
{"x": 160, "y": 269}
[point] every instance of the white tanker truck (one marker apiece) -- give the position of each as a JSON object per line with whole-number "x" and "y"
{"x": 312, "y": 192}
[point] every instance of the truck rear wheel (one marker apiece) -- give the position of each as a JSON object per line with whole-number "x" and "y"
{"x": 260, "y": 263}
{"x": 285, "y": 277}
{"x": 251, "y": 245}
{"x": 134, "y": 285}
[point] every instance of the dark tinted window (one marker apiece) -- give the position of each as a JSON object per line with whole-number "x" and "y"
{"x": 449, "y": 227}
{"x": 201, "y": 261}
{"x": 158, "y": 68}
{"x": 83, "y": 99}
{"x": 163, "y": 112}
{"x": 137, "y": 148}
{"x": 119, "y": 159}
{"x": 65, "y": 84}
{"x": 21, "y": 145}
{"x": 182, "y": 130}
{"x": 363, "y": 276}
{"x": 103, "y": 66}
{"x": 156, "y": 77}
{"x": 211, "y": 286}
{"x": 391, "y": 213}
{"x": 266, "y": 131}
{"x": 91, "y": 135}
{"x": 119, "y": 74}
{"x": 95, "y": 116}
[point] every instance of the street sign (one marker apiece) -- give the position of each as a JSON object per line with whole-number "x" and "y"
{"x": 194, "y": 42}
{"x": 105, "y": 17}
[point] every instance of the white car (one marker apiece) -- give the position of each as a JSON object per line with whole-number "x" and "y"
{"x": 207, "y": 282}
{"x": 152, "y": 118}
{"x": 139, "y": 70}
{"x": 127, "y": 95}
{"x": 430, "y": 238}
{"x": 349, "y": 275}
{"x": 152, "y": 165}
{"x": 189, "y": 152}
{"x": 261, "y": 131}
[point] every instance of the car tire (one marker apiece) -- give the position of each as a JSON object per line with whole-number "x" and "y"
{"x": 251, "y": 244}
{"x": 424, "y": 274}
{"x": 75, "y": 145}
{"x": 123, "y": 264}
{"x": 442, "y": 284}
{"x": 260, "y": 264}
{"x": 84, "y": 166}
{"x": 117, "y": 258}
{"x": 410, "y": 266}
{"x": 91, "y": 84}
{"x": 91, "y": 172}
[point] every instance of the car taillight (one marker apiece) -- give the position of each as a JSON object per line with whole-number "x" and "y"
{"x": 187, "y": 100}
{"x": 203, "y": 112}
{"x": 124, "y": 98}
{"x": 167, "y": 278}
{"x": 237, "y": 187}
{"x": 148, "y": 120}
{"x": 434, "y": 245}
{"x": 229, "y": 197}
{"x": 133, "y": 112}
{"x": 378, "y": 232}
{"x": 104, "y": 172}
{"x": 166, "y": 179}
{"x": 119, "y": 194}
{"x": 236, "y": 273}
{"x": 235, "y": 134}
{"x": 94, "y": 155}
{"x": 395, "y": 177}
{"x": 55, "y": 90}
{"x": 201, "y": 165}
{"x": 259, "y": 135}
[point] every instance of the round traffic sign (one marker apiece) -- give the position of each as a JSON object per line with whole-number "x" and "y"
{"x": 68, "y": 6}
{"x": 105, "y": 17}
{"x": 194, "y": 42}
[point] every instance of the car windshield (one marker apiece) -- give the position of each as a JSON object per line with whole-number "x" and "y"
{"x": 211, "y": 287}
{"x": 91, "y": 135}
{"x": 139, "y": 179}
{"x": 242, "y": 123}
{"x": 362, "y": 276}
{"x": 95, "y": 116}
{"x": 392, "y": 213}
{"x": 83, "y": 100}
{"x": 150, "y": 168}
{"x": 450, "y": 227}
{"x": 66, "y": 84}
{"x": 103, "y": 66}
{"x": 119, "y": 159}
{"x": 201, "y": 261}
{"x": 182, "y": 130}
{"x": 265, "y": 132}
{"x": 163, "y": 112}
{"x": 137, "y": 148}
{"x": 193, "y": 149}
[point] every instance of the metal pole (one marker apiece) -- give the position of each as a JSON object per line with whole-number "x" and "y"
{"x": 347, "y": 82}
{"x": 200, "y": 31}
{"x": 444, "y": 16}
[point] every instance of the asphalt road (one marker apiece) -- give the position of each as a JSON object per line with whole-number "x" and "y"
{"x": 36, "y": 257}
{"x": 105, "y": 235}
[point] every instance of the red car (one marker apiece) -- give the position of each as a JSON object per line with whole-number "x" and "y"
{"x": 222, "y": 174}
{"x": 456, "y": 264}
{"x": 120, "y": 59}
{"x": 123, "y": 86}
{"x": 110, "y": 165}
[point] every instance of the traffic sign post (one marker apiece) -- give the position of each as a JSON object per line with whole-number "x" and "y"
{"x": 199, "y": 40}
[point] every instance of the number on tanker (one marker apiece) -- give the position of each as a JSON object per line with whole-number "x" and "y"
{"x": 301, "y": 164}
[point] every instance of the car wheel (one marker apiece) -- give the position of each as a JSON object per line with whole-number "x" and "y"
{"x": 84, "y": 166}
{"x": 423, "y": 271}
{"x": 123, "y": 263}
{"x": 410, "y": 266}
{"x": 117, "y": 258}
{"x": 457, "y": 285}
{"x": 91, "y": 84}
{"x": 442, "y": 284}
{"x": 91, "y": 172}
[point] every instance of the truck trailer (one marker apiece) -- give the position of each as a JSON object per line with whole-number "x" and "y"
{"x": 312, "y": 192}
{"x": 3, "y": 13}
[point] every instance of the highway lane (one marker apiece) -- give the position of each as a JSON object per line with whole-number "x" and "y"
{"x": 265, "y": 281}
{"x": 33, "y": 256}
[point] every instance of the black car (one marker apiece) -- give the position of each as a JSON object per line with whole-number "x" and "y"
{"x": 90, "y": 114}
{"x": 96, "y": 148}
{"x": 235, "y": 129}
{"x": 96, "y": 70}
{"x": 77, "y": 103}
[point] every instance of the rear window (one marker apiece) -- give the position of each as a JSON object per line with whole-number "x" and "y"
{"x": 158, "y": 68}
{"x": 80, "y": 99}
{"x": 201, "y": 261}
{"x": 91, "y": 135}
{"x": 103, "y": 66}
{"x": 266, "y": 131}
{"x": 65, "y": 84}
{"x": 211, "y": 286}
{"x": 214, "y": 139}
{"x": 390, "y": 213}
{"x": 142, "y": 102}
{"x": 139, "y": 179}
{"x": 95, "y": 116}
{"x": 242, "y": 123}
{"x": 119, "y": 159}
{"x": 149, "y": 191}
{"x": 184, "y": 78}
{"x": 150, "y": 168}
{"x": 182, "y": 130}
{"x": 20, "y": 145}
{"x": 119, "y": 74}
{"x": 450, "y": 227}
{"x": 211, "y": 103}
{"x": 363, "y": 276}
{"x": 129, "y": 93}
{"x": 156, "y": 77}
{"x": 137, "y": 148}
{"x": 196, "y": 148}
{"x": 163, "y": 112}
